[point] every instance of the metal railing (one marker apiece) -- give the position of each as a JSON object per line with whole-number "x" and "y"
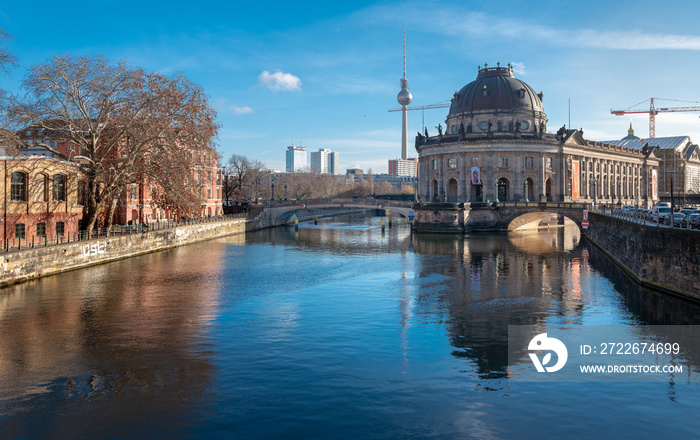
{"x": 641, "y": 218}
{"x": 34, "y": 241}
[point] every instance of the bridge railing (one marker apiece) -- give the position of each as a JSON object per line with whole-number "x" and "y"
{"x": 359, "y": 201}
{"x": 640, "y": 218}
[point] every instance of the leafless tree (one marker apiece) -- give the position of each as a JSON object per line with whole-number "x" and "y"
{"x": 7, "y": 58}
{"x": 125, "y": 124}
{"x": 7, "y": 61}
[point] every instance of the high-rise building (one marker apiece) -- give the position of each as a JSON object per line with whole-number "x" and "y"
{"x": 325, "y": 161}
{"x": 296, "y": 159}
{"x": 334, "y": 163}
{"x": 404, "y": 167}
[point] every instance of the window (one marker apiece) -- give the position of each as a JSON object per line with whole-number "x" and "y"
{"x": 19, "y": 230}
{"x": 41, "y": 229}
{"x": 59, "y": 188}
{"x": 133, "y": 191}
{"x": 503, "y": 161}
{"x": 549, "y": 163}
{"x": 18, "y": 187}
{"x": 452, "y": 162}
{"x": 435, "y": 164}
{"x": 476, "y": 161}
{"x": 60, "y": 228}
{"x": 208, "y": 193}
{"x": 529, "y": 162}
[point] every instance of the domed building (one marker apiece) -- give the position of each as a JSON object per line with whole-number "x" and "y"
{"x": 495, "y": 147}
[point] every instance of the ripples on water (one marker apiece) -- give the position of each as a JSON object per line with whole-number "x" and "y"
{"x": 334, "y": 331}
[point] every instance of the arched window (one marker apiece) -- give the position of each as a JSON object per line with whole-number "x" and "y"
{"x": 18, "y": 191}
{"x": 59, "y": 188}
{"x": 502, "y": 189}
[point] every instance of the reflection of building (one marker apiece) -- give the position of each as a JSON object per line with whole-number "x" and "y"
{"x": 403, "y": 167}
{"x": 496, "y": 281}
{"x": 497, "y": 126}
{"x": 325, "y": 161}
{"x": 296, "y": 159}
{"x": 42, "y": 197}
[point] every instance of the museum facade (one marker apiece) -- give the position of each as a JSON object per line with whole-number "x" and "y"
{"x": 495, "y": 147}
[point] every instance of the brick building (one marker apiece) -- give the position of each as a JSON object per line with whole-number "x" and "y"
{"x": 41, "y": 197}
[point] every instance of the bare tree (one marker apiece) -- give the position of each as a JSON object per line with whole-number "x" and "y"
{"x": 125, "y": 123}
{"x": 238, "y": 168}
{"x": 7, "y": 58}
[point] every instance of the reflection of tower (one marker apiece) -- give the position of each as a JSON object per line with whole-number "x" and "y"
{"x": 404, "y": 97}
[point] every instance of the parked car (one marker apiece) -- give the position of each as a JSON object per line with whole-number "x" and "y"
{"x": 629, "y": 208}
{"x": 693, "y": 219}
{"x": 677, "y": 219}
{"x": 660, "y": 212}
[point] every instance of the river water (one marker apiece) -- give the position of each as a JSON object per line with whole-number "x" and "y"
{"x": 334, "y": 331}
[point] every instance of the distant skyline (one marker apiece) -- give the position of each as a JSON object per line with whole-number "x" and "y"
{"x": 324, "y": 75}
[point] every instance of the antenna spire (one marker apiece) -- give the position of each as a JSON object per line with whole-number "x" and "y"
{"x": 404, "y": 51}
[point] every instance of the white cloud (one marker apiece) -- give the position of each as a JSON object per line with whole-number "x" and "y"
{"x": 279, "y": 81}
{"x": 519, "y": 69}
{"x": 242, "y": 110}
{"x": 484, "y": 26}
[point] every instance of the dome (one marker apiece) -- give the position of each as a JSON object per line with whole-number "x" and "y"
{"x": 499, "y": 100}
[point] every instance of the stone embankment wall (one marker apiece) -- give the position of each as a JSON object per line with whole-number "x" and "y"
{"x": 32, "y": 263}
{"x": 663, "y": 258}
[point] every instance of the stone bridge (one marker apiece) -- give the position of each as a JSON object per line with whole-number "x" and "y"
{"x": 465, "y": 217}
{"x": 285, "y": 212}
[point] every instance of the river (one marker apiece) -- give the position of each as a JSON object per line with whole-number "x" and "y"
{"x": 335, "y": 331}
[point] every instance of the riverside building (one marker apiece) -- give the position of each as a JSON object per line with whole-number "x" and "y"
{"x": 495, "y": 147}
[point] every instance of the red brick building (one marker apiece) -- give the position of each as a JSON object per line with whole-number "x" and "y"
{"x": 41, "y": 197}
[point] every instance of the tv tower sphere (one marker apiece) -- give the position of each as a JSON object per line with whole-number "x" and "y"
{"x": 404, "y": 97}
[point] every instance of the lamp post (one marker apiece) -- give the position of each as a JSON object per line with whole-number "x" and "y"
{"x": 526, "y": 193}
{"x": 285, "y": 191}
{"x": 272, "y": 191}
{"x": 496, "y": 198}
{"x": 619, "y": 192}
{"x": 593, "y": 182}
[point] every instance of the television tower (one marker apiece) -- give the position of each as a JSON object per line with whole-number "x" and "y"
{"x": 404, "y": 97}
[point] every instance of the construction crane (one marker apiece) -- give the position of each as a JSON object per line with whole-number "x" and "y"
{"x": 423, "y": 108}
{"x": 653, "y": 111}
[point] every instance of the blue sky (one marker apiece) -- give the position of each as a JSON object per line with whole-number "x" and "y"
{"x": 325, "y": 74}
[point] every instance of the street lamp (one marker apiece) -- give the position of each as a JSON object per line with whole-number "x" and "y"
{"x": 272, "y": 191}
{"x": 285, "y": 191}
{"x": 619, "y": 192}
{"x": 593, "y": 182}
{"x": 496, "y": 198}
{"x": 526, "y": 193}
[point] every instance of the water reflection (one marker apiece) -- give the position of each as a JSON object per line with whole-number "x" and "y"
{"x": 99, "y": 345}
{"x": 335, "y": 330}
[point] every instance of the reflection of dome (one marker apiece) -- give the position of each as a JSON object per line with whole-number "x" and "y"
{"x": 499, "y": 97}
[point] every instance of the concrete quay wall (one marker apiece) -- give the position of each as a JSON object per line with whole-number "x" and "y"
{"x": 30, "y": 263}
{"x": 663, "y": 258}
